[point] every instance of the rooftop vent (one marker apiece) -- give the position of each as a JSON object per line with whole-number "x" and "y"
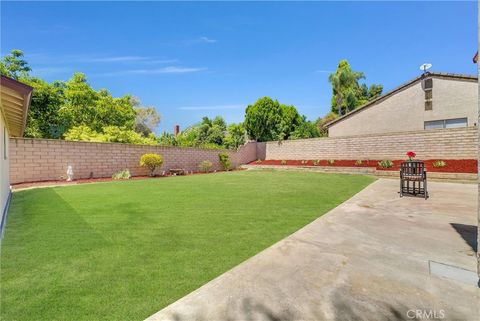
{"x": 427, "y": 84}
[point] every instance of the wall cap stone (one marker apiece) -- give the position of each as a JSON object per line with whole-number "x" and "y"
{"x": 432, "y": 132}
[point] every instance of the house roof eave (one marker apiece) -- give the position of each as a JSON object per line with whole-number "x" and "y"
{"x": 399, "y": 88}
{"x": 14, "y": 103}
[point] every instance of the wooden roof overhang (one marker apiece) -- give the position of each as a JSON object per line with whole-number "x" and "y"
{"x": 14, "y": 102}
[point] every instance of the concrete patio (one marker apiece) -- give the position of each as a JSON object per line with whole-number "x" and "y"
{"x": 368, "y": 259}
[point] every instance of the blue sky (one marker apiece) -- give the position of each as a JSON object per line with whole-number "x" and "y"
{"x": 214, "y": 58}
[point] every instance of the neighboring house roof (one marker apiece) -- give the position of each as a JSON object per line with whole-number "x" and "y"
{"x": 14, "y": 102}
{"x": 400, "y": 88}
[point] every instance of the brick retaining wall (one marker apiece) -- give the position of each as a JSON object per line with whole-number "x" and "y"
{"x": 458, "y": 143}
{"x": 44, "y": 159}
{"x": 47, "y": 159}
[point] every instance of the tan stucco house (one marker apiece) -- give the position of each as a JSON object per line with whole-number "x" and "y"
{"x": 430, "y": 101}
{"x": 14, "y": 102}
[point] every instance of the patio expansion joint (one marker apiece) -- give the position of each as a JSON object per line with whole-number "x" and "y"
{"x": 452, "y": 272}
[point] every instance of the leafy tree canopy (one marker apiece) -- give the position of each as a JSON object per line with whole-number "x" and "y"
{"x": 73, "y": 110}
{"x": 59, "y": 106}
{"x": 263, "y": 119}
{"x": 306, "y": 129}
{"x": 45, "y": 118}
{"x": 268, "y": 120}
{"x": 207, "y": 133}
{"x": 167, "y": 139}
{"x": 111, "y": 134}
{"x": 347, "y": 93}
{"x": 322, "y": 121}
{"x": 13, "y": 65}
{"x": 235, "y": 136}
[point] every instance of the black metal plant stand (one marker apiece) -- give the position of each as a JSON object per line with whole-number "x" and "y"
{"x": 413, "y": 179}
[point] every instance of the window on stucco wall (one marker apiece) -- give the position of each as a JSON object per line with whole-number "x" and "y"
{"x": 446, "y": 123}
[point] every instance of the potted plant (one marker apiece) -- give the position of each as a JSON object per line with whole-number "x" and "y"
{"x": 411, "y": 155}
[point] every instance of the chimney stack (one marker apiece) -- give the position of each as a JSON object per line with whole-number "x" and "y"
{"x": 176, "y": 130}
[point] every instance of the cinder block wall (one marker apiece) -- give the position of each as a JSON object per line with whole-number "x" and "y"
{"x": 458, "y": 143}
{"x": 44, "y": 159}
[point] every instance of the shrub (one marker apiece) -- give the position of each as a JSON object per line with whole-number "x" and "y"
{"x": 386, "y": 163}
{"x": 205, "y": 166}
{"x": 283, "y": 162}
{"x": 125, "y": 174}
{"x": 151, "y": 161}
{"x": 224, "y": 161}
{"x": 439, "y": 163}
{"x": 316, "y": 162}
{"x": 358, "y": 162}
{"x": 330, "y": 161}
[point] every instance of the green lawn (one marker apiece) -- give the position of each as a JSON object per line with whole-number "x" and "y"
{"x": 124, "y": 250}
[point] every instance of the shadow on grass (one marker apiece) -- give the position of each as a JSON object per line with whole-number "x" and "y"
{"x": 47, "y": 255}
{"x": 54, "y": 230}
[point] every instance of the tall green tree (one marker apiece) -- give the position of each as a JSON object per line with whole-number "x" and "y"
{"x": 211, "y": 131}
{"x": 44, "y": 118}
{"x": 374, "y": 91}
{"x": 347, "y": 93}
{"x": 59, "y": 106}
{"x": 114, "y": 111}
{"x": 13, "y": 65}
{"x": 207, "y": 133}
{"x": 345, "y": 88}
{"x": 96, "y": 109}
{"x": 216, "y": 133}
{"x": 268, "y": 120}
{"x": 188, "y": 137}
{"x": 306, "y": 129}
{"x": 291, "y": 119}
{"x": 235, "y": 136}
{"x": 80, "y": 100}
{"x": 263, "y": 120}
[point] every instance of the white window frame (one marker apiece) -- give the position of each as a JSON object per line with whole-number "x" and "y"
{"x": 444, "y": 123}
